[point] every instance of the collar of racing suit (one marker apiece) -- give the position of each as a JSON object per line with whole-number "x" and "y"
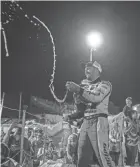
{"x": 86, "y": 81}
{"x": 96, "y": 81}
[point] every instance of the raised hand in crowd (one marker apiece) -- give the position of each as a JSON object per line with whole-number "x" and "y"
{"x": 7, "y": 136}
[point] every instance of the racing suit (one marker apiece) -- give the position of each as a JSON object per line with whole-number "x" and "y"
{"x": 92, "y": 104}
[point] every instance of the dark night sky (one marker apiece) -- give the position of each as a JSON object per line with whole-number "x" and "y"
{"x": 69, "y": 22}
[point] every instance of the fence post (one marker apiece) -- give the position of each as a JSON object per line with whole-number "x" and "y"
{"x": 20, "y": 101}
{"x": 1, "y": 105}
{"x": 23, "y": 131}
{"x": 45, "y": 136}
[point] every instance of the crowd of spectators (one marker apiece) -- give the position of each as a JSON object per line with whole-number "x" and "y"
{"x": 38, "y": 148}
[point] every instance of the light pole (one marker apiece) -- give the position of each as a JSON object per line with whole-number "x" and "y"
{"x": 94, "y": 40}
{"x": 92, "y": 53}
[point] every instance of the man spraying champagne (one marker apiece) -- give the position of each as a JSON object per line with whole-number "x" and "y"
{"x": 92, "y": 98}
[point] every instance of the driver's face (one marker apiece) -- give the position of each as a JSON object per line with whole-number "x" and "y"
{"x": 89, "y": 72}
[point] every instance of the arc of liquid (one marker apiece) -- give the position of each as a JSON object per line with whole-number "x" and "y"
{"x": 5, "y": 42}
{"x": 54, "y": 64}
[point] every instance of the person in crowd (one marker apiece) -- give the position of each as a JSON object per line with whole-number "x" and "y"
{"x": 51, "y": 145}
{"x": 13, "y": 142}
{"x": 5, "y": 160}
{"x": 32, "y": 136}
{"x": 51, "y": 149}
{"x": 72, "y": 146}
{"x": 46, "y": 151}
{"x": 61, "y": 148}
{"x": 42, "y": 154}
{"x": 128, "y": 107}
{"x": 37, "y": 143}
{"x": 29, "y": 133}
{"x": 4, "y": 154}
{"x": 132, "y": 134}
{"x": 92, "y": 98}
{"x": 115, "y": 143}
{"x": 66, "y": 132}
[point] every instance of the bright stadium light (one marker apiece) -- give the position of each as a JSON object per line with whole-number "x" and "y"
{"x": 94, "y": 40}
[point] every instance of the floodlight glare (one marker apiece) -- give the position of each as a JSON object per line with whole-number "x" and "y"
{"x": 94, "y": 39}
